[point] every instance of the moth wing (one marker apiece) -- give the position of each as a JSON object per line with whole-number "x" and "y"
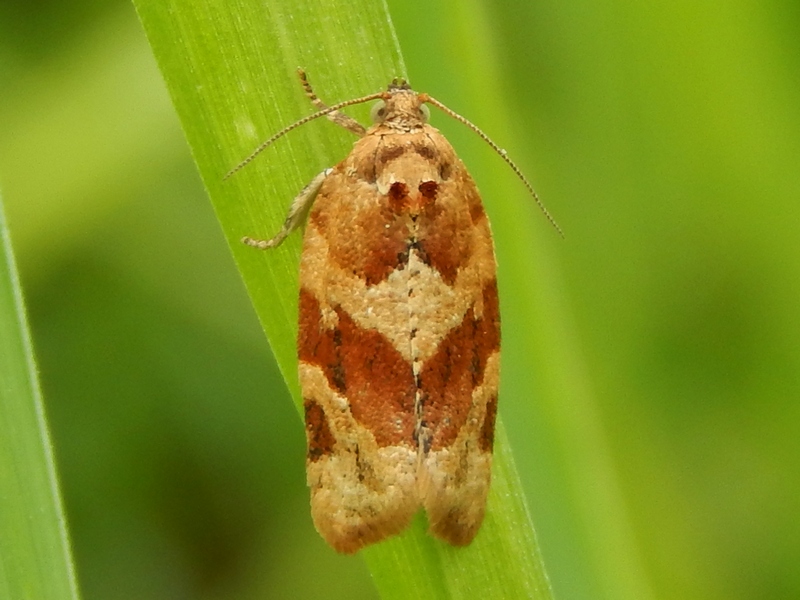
{"x": 459, "y": 382}
{"x": 358, "y": 389}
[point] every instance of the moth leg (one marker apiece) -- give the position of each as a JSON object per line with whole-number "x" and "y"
{"x": 337, "y": 117}
{"x": 297, "y": 213}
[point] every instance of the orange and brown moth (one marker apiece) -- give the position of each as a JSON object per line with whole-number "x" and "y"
{"x": 399, "y": 328}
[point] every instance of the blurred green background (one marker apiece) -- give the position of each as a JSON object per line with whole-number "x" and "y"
{"x": 665, "y": 139}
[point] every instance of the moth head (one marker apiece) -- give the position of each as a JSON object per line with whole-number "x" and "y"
{"x": 399, "y": 101}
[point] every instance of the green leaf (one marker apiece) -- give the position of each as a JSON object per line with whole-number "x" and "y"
{"x": 35, "y": 561}
{"x": 230, "y": 68}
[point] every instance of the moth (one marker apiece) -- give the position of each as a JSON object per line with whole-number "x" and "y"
{"x": 399, "y": 327}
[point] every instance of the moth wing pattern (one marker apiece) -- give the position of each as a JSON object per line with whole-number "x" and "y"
{"x": 358, "y": 390}
{"x": 399, "y": 344}
{"x": 458, "y": 382}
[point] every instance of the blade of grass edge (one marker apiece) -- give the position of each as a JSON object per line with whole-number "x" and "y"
{"x": 230, "y": 68}
{"x": 35, "y": 559}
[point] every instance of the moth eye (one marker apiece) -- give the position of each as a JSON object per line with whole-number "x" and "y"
{"x": 378, "y": 112}
{"x": 426, "y": 112}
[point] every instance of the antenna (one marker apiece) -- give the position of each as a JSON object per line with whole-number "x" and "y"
{"x": 332, "y": 110}
{"x": 503, "y": 154}
{"x": 297, "y": 124}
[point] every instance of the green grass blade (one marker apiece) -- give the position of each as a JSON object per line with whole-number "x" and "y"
{"x": 35, "y": 561}
{"x": 230, "y": 68}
